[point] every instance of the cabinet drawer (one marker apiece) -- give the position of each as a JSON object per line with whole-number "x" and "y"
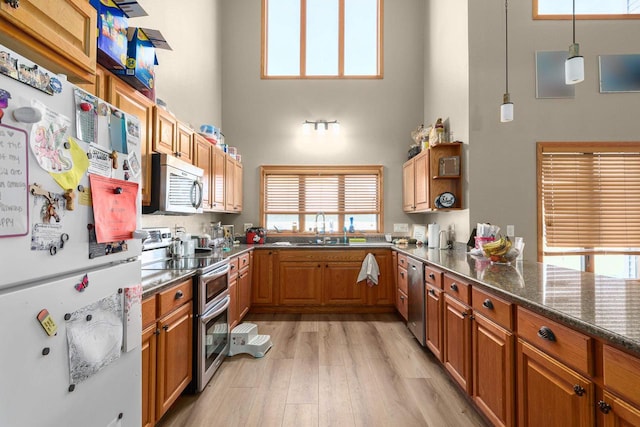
{"x": 493, "y": 308}
{"x": 174, "y": 297}
{"x": 433, "y": 276}
{"x": 148, "y": 311}
{"x": 457, "y": 288}
{"x": 402, "y": 304}
{"x": 403, "y": 280}
{"x": 233, "y": 268}
{"x": 243, "y": 261}
{"x": 565, "y": 344}
{"x": 621, "y": 373}
{"x": 403, "y": 261}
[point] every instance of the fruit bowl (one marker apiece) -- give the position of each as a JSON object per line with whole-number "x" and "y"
{"x": 501, "y": 251}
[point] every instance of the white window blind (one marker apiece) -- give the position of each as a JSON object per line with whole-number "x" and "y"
{"x": 339, "y": 190}
{"x": 590, "y": 194}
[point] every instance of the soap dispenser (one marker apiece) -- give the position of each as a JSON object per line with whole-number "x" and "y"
{"x": 352, "y": 229}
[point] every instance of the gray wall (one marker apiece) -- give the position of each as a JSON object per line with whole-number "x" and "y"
{"x": 502, "y": 156}
{"x": 263, "y": 117}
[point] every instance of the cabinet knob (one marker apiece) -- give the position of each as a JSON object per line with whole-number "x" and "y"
{"x": 604, "y": 407}
{"x": 488, "y": 304}
{"x": 166, "y": 328}
{"x": 546, "y": 334}
{"x": 401, "y": 297}
{"x": 579, "y": 390}
{"x": 179, "y": 295}
{"x": 464, "y": 314}
{"x": 432, "y": 276}
{"x": 157, "y": 332}
{"x": 432, "y": 292}
{"x": 402, "y": 274}
{"x": 454, "y": 287}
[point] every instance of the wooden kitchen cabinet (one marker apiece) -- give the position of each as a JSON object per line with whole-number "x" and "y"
{"x": 423, "y": 182}
{"x": 233, "y": 185}
{"x": 133, "y": 102}
{"x": 550, "y": 393}
{"x": 433, "y": 320}
{"x": 456, "y": 333}
{"x": 218, "y": 163}
{"x": 402, "y": 291}
{"x": 174, "y": 356}
{"x": 167, "y": 348}
{"x": 493, "y": 357}
{"x": 300, "y": 282}
{"x": 165, "y": 131}
{"x": 493, "y": 370}
{"x": 57, "y": 35}
{"x": 244, "y": 284}
{"x": 184, "y": 143}
{"x": 339, "y": 284}
{"x": 383, "y": 294}
{"x": 620, "y": 404}
{"x": 202, "y": 158}
{"x": 263, "y": 278}
{"x": 234, "y": 315}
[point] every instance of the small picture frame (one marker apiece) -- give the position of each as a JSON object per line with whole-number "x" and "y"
{"x": 449, "y": 166}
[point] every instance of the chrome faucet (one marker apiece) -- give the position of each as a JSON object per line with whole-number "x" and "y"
{"x": 324, "y": 220}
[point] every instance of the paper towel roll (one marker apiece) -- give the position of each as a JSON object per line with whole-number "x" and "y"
{"x": 433, "y": 236}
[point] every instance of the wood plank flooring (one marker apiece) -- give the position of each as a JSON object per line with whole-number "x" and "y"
{"x": 329, "y": 370}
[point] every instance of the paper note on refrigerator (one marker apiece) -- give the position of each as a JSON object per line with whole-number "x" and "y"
{"x": 13, "y": 182}
{"x": 114, "y": 208}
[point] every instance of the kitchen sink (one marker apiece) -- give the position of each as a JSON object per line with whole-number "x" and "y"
{"x": 320, "y": 244}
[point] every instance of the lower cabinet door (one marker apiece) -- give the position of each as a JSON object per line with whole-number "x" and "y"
{"x": 433, "y": 324}
{"x": 149, "y": 343}
{"x": 551, "y": 394}
{"x": 617, "y": 412}
{"x": 493, "y": 368}
{"x": 456, "y": 338}
{"x": 174, "y": 356}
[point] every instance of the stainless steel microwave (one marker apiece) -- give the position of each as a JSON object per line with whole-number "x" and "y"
{"x": 176, "y": 186}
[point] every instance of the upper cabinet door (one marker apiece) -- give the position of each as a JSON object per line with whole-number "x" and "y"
{"x": 184, "y": 143}
{"x": 165, "y": 131}
{"x": 58, "y": 35}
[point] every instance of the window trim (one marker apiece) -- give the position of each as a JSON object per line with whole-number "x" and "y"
{"x": 324, "y": 170}
{"x": 538, "y": 17}
{"x": 604, "y": 146}
{"x": 303, "y": 24}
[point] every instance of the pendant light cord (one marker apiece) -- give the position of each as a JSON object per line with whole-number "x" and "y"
{"x": 506, "y": 44}
{"x": 574, "y": 21}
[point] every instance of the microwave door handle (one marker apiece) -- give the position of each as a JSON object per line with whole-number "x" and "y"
{"x": 196, "y": 194}
{"x": 216, "y": 310}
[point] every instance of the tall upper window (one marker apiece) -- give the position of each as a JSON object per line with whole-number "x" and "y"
{"x": 322, "y": 38}
{"x": 589, "y": 206}
{"x": 586, "y": 9}
{"x": 322, "y": 198}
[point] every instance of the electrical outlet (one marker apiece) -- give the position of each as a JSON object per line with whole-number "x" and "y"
{"x": 247, "y": 225}
{"x": 400, "y": 228}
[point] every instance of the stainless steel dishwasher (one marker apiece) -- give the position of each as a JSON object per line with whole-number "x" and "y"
{"x": 415, "y": 322}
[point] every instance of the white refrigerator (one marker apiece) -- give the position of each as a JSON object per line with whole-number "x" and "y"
{"x": 70, "y": 292}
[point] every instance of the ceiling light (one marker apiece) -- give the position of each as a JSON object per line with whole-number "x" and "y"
{"x": 574, "y": 65}
{"x": 506, "y": 109}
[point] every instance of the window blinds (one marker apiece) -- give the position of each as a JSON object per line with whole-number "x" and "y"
{"x": 324, "y": 189}
{"x": 590, "y": 194}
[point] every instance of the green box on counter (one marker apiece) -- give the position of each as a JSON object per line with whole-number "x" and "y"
{"x": 112, "y": 34}
{"x": 141, "y": 60}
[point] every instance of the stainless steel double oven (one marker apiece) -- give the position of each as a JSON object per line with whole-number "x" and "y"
{"x": 210, "y": 303}
{"x": 211, "y": 323}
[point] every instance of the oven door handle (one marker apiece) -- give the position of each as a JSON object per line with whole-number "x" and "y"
{"x": 216, "y": 310}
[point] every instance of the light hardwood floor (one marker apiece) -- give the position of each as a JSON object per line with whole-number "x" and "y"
{"x": 329, "y": 370}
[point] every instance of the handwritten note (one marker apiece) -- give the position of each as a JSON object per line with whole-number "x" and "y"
{"x": 114, "y": 208}
{"x": 13, "y": 182}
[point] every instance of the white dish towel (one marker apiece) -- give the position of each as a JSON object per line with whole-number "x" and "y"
{"x": 369, "y": 270}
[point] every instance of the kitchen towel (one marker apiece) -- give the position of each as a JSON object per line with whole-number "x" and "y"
{"x": 369, "y": 270}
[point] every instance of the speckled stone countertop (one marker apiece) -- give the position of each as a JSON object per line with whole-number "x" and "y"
{"x": 603, "y": 307}
{"x": 154, "y": 281}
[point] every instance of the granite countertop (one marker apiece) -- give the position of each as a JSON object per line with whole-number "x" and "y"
{"x": 604, "y": 307}
{"x": 154, "y": 281}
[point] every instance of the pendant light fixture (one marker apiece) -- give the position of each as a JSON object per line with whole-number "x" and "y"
{"x": 574, "y": 65}
{"x": 506, "y": 109}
